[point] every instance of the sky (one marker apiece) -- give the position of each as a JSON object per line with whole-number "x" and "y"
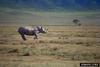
{"x": 52, "y": 4}
{"x": 49, "y": 12}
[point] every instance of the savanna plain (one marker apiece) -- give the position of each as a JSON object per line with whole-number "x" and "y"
{"x": 61, "y": 46}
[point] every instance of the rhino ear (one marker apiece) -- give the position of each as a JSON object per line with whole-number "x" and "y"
{"x": 37, "y": 27}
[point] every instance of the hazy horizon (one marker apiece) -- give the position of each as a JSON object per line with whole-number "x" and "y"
{"x": 48, "y": 18}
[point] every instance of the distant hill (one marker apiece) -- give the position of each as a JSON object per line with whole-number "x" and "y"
{"x": 52, "y": 4}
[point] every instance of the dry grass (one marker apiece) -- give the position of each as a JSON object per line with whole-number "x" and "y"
{"x": 62, "y": 46}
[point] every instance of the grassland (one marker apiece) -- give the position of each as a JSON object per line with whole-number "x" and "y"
{"x": 61, "y": 46}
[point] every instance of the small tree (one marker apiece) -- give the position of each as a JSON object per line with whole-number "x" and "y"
{"x": 76, "y": 21}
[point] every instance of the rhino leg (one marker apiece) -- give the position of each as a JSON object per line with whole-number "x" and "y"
{"x": 23, "y": 37}
{"x": 35, "y": 36}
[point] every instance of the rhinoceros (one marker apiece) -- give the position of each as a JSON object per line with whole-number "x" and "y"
{"x": 31, "y": 31}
